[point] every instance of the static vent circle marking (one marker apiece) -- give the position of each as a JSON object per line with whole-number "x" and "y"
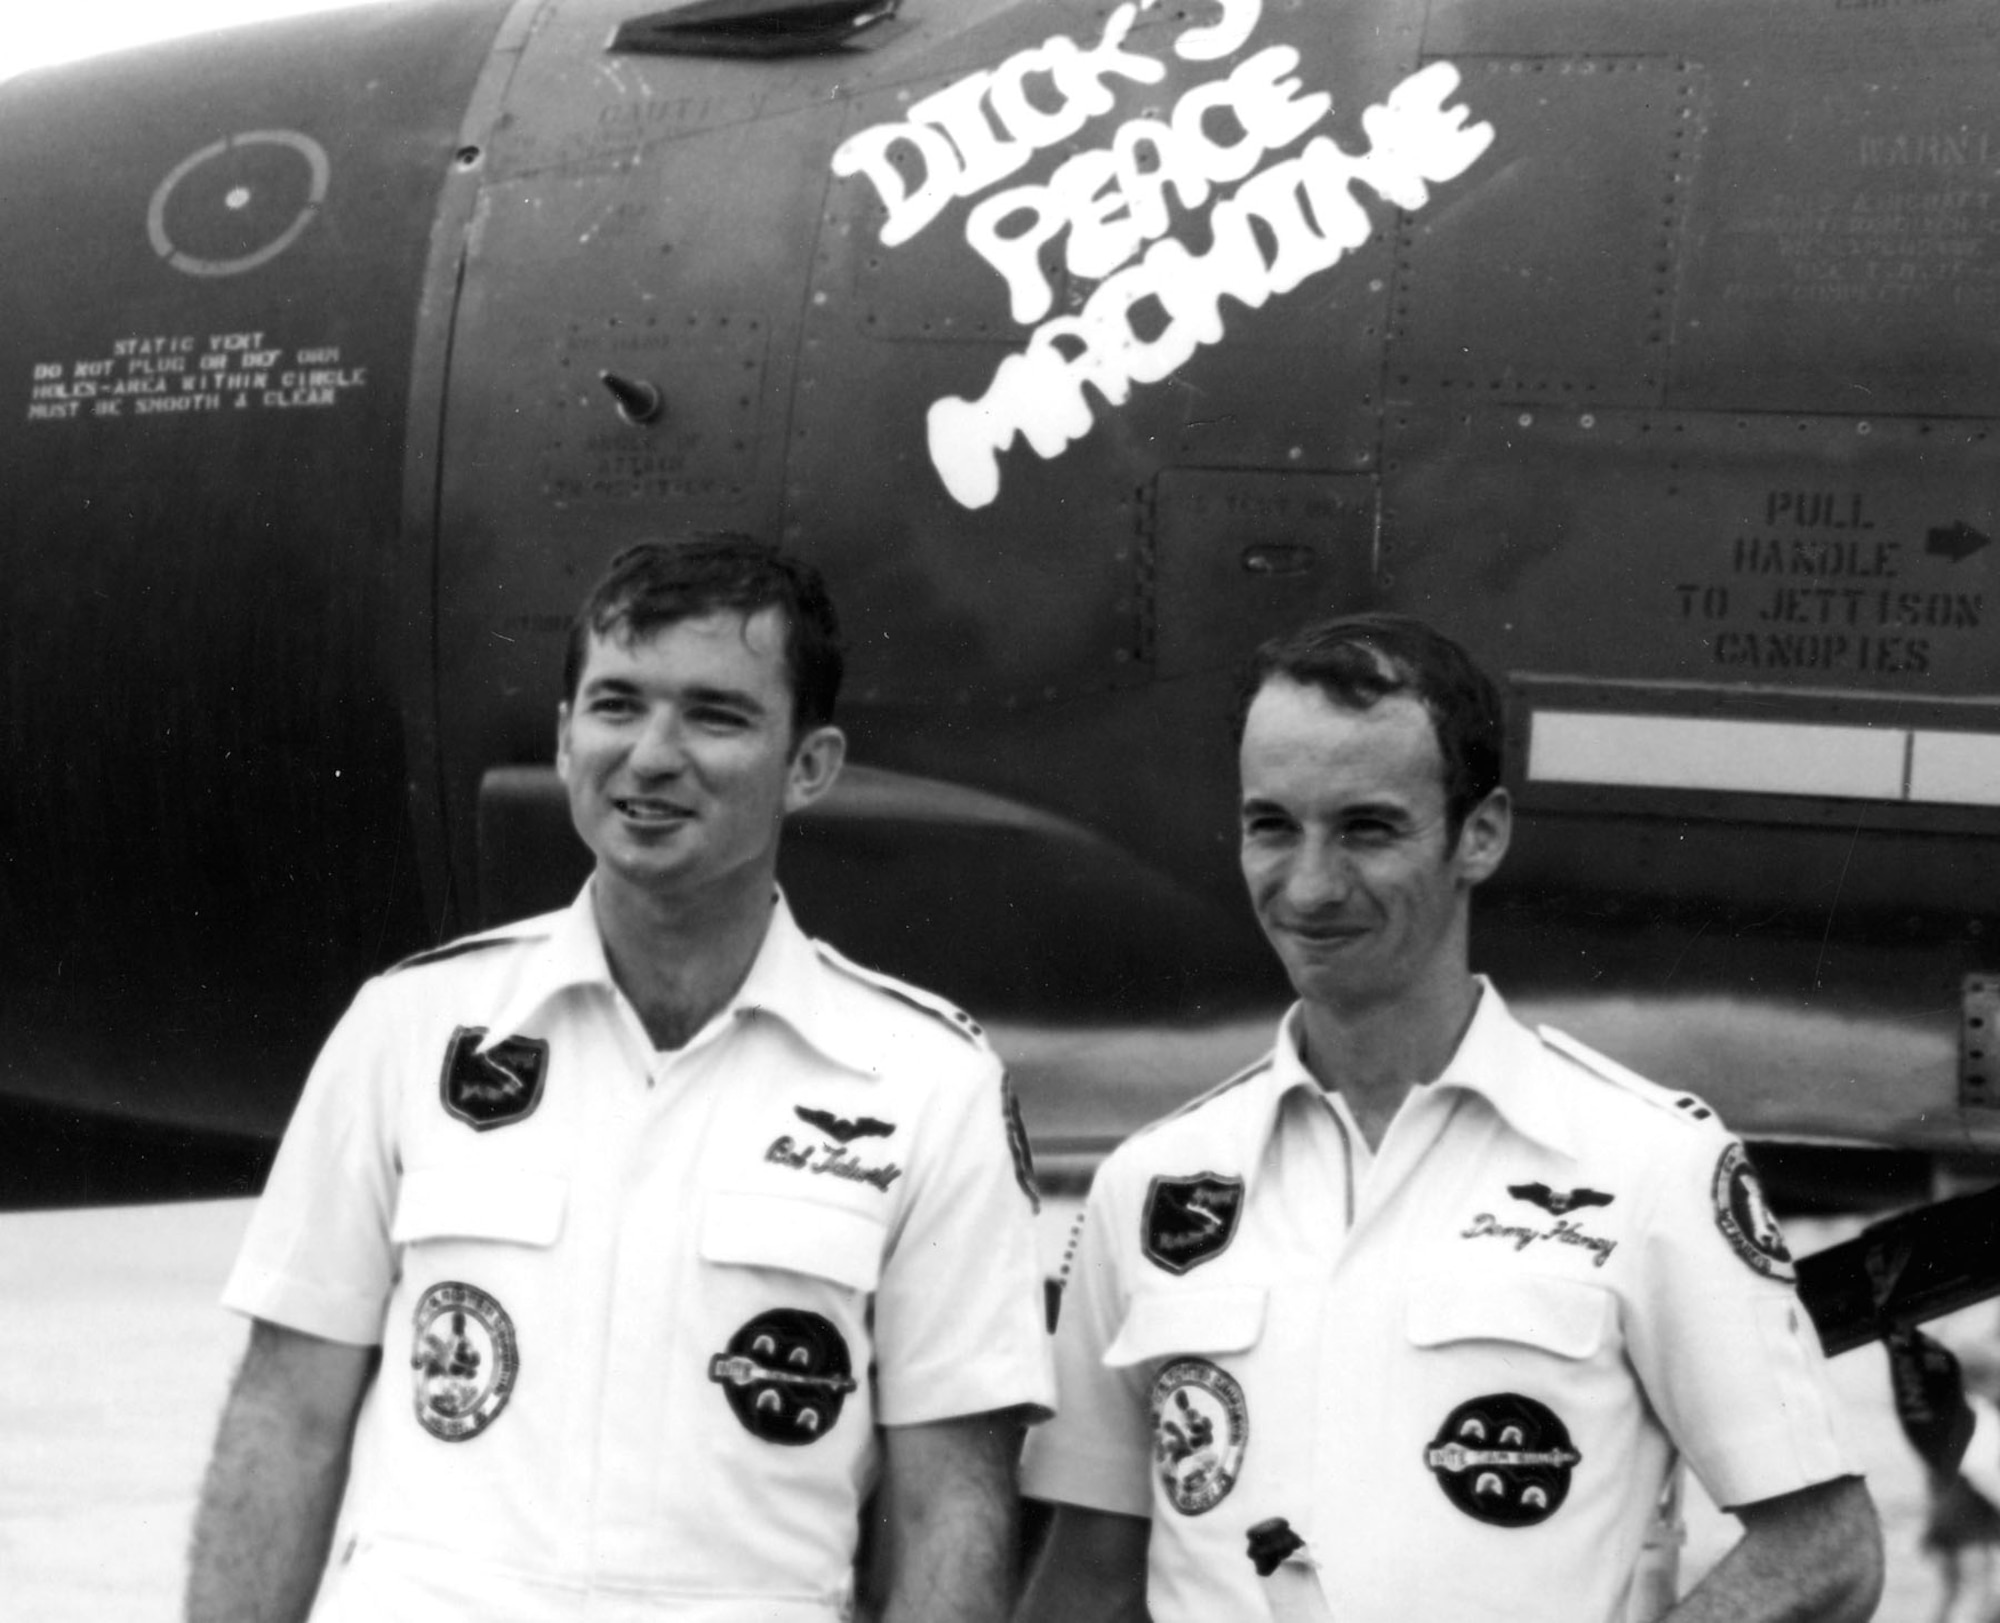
{"x": 239, "y": 202}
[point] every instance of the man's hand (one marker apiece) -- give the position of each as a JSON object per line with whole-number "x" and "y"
{"x": 273, "y": 1488}
{"x": 1814, "y": 1556}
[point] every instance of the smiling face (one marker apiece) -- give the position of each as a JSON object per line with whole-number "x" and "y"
{"x": 1346, "y": 848}
{"x": 678, "y": 755}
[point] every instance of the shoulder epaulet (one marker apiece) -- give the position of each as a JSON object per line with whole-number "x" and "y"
{"x": 500, "y": 937}
{"x": 939, "y": 1009}
{"x": 1674, "y": 1101}
{"x": 1209, "y": 1095}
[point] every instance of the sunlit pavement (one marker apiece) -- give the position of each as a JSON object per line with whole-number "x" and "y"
{"x": 114, "y": 1359}
{"x": 113, "y": 1363}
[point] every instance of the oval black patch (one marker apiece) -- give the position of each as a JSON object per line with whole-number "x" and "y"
{"x": 785, "y": 1374}
{"x": 1504, "y": 1459}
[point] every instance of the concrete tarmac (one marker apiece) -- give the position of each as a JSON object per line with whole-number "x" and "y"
{"x": 114, "y": 1359}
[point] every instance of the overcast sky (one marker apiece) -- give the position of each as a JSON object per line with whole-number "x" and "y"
{"x": 35, "y": 34}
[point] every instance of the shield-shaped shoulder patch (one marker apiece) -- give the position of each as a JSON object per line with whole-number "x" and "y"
{"x": 502, "y": 1085}
{"x": 1189, "y": 1221}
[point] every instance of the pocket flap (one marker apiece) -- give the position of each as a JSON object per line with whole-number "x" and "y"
{"x": 510, "y": 1204}
{"x": 799, "y": 1236}
{"x": 1219, "y": 1319}
{"x": 1562, "y": 1316}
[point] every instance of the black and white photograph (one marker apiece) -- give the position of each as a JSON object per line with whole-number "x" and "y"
{"x": 1000, "y": 811}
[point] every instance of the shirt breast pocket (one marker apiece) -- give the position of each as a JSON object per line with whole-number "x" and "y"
{"x": 1196, "y": 1347}
{"x": 1564, "y": 1318}
{"x": 1517, "y": 1387}
{"x": 787, "y": 1289}
{"x": 1209, "y": 1323}
{"x": 511, "y": 1206}
{"x": 787, "y": 1235}
{"x": 476, "y": 1249}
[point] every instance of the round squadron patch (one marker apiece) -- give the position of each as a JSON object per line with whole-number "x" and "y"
{"x": 463, "y": 1361}
{"x": 1504, "y": 1459}
{"x": 785, "y": 1374}
{"x": 1746, "y": 1221}
{"x": 1201, "y": 1426}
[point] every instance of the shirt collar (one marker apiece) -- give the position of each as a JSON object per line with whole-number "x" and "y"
{"x": 1504, "y": 1063}
{"x": 1498, "y": 1058}
{"x": 788, "y": 981}
{"x": 1273, "y": 1084}
{"x": 570, "y": 955}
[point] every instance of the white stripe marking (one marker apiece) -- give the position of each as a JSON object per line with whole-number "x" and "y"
{"x": 1851, "y": 762}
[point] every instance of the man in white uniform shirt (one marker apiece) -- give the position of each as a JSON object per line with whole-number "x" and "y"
{"x": 1410, "y": 1319}
{"x": 613, "y": 1258}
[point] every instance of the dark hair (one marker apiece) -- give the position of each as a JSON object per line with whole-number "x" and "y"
{"x": 1357, "y": 660}
{"x": 656, "y": 584}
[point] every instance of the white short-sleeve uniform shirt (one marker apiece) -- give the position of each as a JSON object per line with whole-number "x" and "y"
{"x": 1458, "y": 1368}
{"x": 640, "y": 1313}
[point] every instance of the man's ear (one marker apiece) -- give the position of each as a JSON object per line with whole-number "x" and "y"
{"x": 562, "y": 739}
{"x": 816, "y": 762}
{"x": 1485, "y": 836}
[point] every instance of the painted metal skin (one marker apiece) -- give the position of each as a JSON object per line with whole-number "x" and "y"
{"x": 1675, "y": 398}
